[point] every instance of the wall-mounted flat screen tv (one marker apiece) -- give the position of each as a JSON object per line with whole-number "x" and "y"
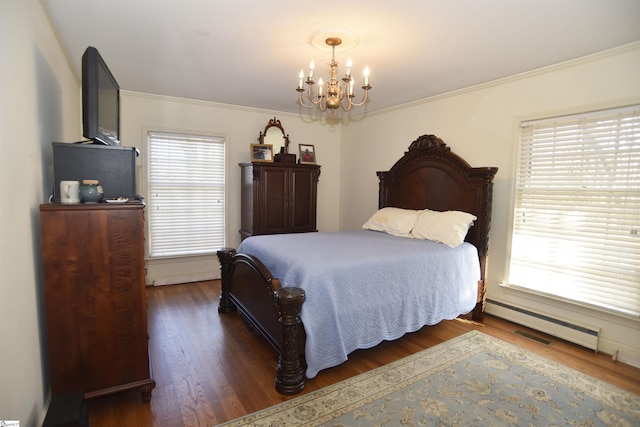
{"x": 100, "y": 100}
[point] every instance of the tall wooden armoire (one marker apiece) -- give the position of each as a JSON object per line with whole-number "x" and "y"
{"x": 278, "y": 198}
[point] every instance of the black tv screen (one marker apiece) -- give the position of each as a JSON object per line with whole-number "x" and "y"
{"x": 100, "y": 100}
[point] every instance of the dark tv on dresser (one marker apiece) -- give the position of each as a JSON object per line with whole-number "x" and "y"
{"x": 100, "y": 100}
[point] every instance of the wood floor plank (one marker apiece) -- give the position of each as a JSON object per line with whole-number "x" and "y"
{"x": 209, "y": 368}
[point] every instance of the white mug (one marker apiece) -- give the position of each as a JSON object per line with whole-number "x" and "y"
{"x": 69, "y": 191}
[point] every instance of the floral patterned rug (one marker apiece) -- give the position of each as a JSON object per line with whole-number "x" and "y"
{"x": 472, "y": 380}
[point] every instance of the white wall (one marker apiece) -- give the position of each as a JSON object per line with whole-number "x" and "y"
{"x": 480, "y": 124}
{"x": 39, "y": 103}
{"x": 241, "y": 127}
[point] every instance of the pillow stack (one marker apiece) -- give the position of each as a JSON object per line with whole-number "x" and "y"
{"x": 449, "y": 227}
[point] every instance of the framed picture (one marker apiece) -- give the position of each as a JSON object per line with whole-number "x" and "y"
{"x": 261, "y": 152}
{"x": 307, "y": 153}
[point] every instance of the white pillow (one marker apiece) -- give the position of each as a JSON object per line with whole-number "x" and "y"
{"x": 448, "y": 227}
{"x": 395, "y": 221}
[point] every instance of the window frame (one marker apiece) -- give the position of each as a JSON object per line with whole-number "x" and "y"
{"x": 223, "y": 139}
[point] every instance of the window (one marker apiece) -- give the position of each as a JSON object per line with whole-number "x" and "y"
{"x": 186, "y": 194}
{"x": 577, "y": 209}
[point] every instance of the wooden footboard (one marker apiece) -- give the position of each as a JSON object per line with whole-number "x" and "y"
{"x": 247, "y": 285}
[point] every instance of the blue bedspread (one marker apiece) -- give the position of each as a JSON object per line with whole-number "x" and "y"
{"x": 363, "y": 287}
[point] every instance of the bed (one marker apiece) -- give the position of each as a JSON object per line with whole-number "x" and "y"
{"x": 345, "y": 291}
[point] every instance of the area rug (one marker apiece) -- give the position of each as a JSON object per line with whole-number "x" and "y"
{"x": 471, "y": 380}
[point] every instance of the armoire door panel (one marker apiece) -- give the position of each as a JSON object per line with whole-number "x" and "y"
{"x": 274, "y": 218}
{"x": 303, "y": 208}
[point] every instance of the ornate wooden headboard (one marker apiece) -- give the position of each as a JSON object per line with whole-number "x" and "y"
{"x": 430, "y": 176}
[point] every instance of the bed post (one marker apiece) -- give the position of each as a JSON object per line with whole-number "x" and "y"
{"x": 484, "y": 177}
{"x": 477, "y": 315}
{"x": 290, "y": 371}
{"x": 225, "y": 256}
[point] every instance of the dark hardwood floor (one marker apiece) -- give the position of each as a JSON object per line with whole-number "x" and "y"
{"x": 210, "y": 369}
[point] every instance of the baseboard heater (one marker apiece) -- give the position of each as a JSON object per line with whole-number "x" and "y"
{"x": 585, "y": 336}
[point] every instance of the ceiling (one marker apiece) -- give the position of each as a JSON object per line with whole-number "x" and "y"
{"x": 249, "y": 52}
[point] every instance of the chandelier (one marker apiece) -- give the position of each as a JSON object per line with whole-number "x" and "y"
{"x": 334, "y": 93}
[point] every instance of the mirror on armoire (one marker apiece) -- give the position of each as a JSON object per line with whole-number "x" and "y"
{"x": 275, "y": 136}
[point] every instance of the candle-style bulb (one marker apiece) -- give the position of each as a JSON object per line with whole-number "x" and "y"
{"x": 311, "y": 67}
{"x": 366, "y": 76}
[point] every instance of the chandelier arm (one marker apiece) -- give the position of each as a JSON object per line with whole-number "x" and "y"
{"x": 317, "y": 103}
{"x": 310, "y": 97}
{"x": 301, "y": 100}
{"x": 358, "y": 104}
{"x": 344, "y": 91}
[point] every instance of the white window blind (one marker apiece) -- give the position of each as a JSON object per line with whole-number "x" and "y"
{"x": 577, "y": 209}
{"x": 186, "y": 194}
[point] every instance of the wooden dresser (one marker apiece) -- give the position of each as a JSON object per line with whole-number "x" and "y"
{"x": 278, "y": 198}
{"x": 93, "y": 256}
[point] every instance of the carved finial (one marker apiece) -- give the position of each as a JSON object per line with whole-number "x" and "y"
{"x": 428, "y": 141}
{"x": 275, "y": 122}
